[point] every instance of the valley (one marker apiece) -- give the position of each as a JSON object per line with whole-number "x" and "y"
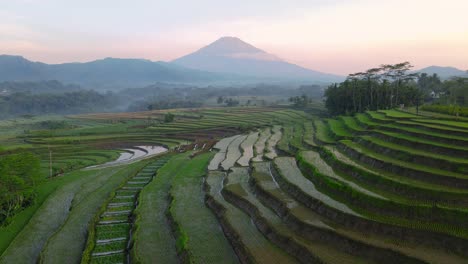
{"x": 259, "y": 185}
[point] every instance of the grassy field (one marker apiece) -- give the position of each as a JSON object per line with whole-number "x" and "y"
{"x": 153, "y": 240}
{"x": 68, "y": 204}
{"x": 70, "y": 239}
{"x": 205, "y": 241}
{"x": 272, "y": 141}
{"x": 258, "y": 248}
{"x": 244, "y": 184}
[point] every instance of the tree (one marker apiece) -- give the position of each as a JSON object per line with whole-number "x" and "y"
{"x": 19, "y": 174}
{"x": 168, "y": 117}
{"x": 300, "y": 101}
{"x": 231, "y": 102}
{"x": 377, "y": 88}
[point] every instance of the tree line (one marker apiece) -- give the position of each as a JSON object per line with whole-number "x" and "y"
{"x": 390, "y": 86}
{"x": 384, "y": 87}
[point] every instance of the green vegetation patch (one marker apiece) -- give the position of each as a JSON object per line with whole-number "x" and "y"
{"x": 205, "y": 240}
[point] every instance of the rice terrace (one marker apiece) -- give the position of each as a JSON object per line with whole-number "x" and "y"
{"x": 246, "y": 184}
{"x": 138, "y": 132}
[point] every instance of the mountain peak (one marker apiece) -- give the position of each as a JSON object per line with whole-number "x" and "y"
{"x": 234, "y": 56}
{"x": 229, "y": 45}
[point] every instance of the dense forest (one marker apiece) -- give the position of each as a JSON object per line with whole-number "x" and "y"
{"x": 19, "y": 173}
{"x": 37, "y": 87}
{"x": 27, "y": 103}
{"x": 164, "y": 96}
{"x": 53, "y": 97}
{"x": 390, "y": 86}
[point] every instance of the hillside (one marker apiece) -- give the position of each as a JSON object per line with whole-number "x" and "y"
{"x": 105, "y": 73}
{"x": 232, "y": 55}
{"x": 444, "y": 72}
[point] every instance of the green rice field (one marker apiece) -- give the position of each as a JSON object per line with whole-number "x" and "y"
{"x": 242, "y": 185}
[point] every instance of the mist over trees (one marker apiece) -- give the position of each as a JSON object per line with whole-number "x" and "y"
{"x": 26, "y": 103}
{"x": 162, "y": 96}
{"x": 51, "y": 86}
{"x": 53, "y": 97}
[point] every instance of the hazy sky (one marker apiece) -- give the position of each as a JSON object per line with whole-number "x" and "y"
{"x": 337, "y": 36}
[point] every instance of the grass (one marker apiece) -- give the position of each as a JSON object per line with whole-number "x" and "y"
{"x": 411, "y": 153}
{"x": 434, "y": 127}
{"x": 323, "y": 132}
{"x": 115, "y": 258}
{"x": 322, "y": 167}
{"x": 353, "y": 194}
{"x": 286, "y": 138}
{"x": 272, "y": 141}
{"x": 338, "y": 129}
{"x": 336, "y": 190}
{"x": 298, "y": 135}
{"x": 288, "y": 169}
{"x": 434, "y": 136}
{"x": 366, "y": 236}
{"x": 292, "y": 137}
{"x": 455, "y": 124}
{"x": 259, "y": 146}
{"x": 421, "y": 141}
{"x": 316, "y": 228}
{"x": 9, "y": 232}
{"x": 94, "y": 131}
{"x": 258, "y": 246}
{"x": 352, "y": 124}
{"x": 365, "y": 120}
{"x": 153, "y": 241}
{"x": 309, "y": 133}
{"x": 393, "y": 113}
{"x": 112, "y": 246}
{"x": 396, "y": 184}
{"x": 378, "y": 117}
{"x": 310, "y": 251}
{"x": 414, "y": 166}
{"x": 394, "y": 137}
{"x": 35, "y": 227}
{"x": 265, "y": 181}
{"x": 69, "y": 241}
{"x": 206, "y": 242}
{"x": 112, "y": 231}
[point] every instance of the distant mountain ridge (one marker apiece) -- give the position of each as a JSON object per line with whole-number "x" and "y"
{"x": 105, "y": 73}
{"x": 228, "y": 60}
{"x": 232, "y": 55}
{"x": 444, "y": 72}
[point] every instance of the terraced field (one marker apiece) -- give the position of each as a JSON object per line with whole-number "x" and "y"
{"x": 110, "y": 238}
{"x": 252, "y": 185}
{"x": 346, "y": 194}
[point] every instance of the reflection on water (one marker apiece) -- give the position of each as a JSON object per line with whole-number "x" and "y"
{"x": 135, "y": 153}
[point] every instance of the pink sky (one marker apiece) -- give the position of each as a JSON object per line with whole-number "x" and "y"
{"x": 337, "y": 36}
